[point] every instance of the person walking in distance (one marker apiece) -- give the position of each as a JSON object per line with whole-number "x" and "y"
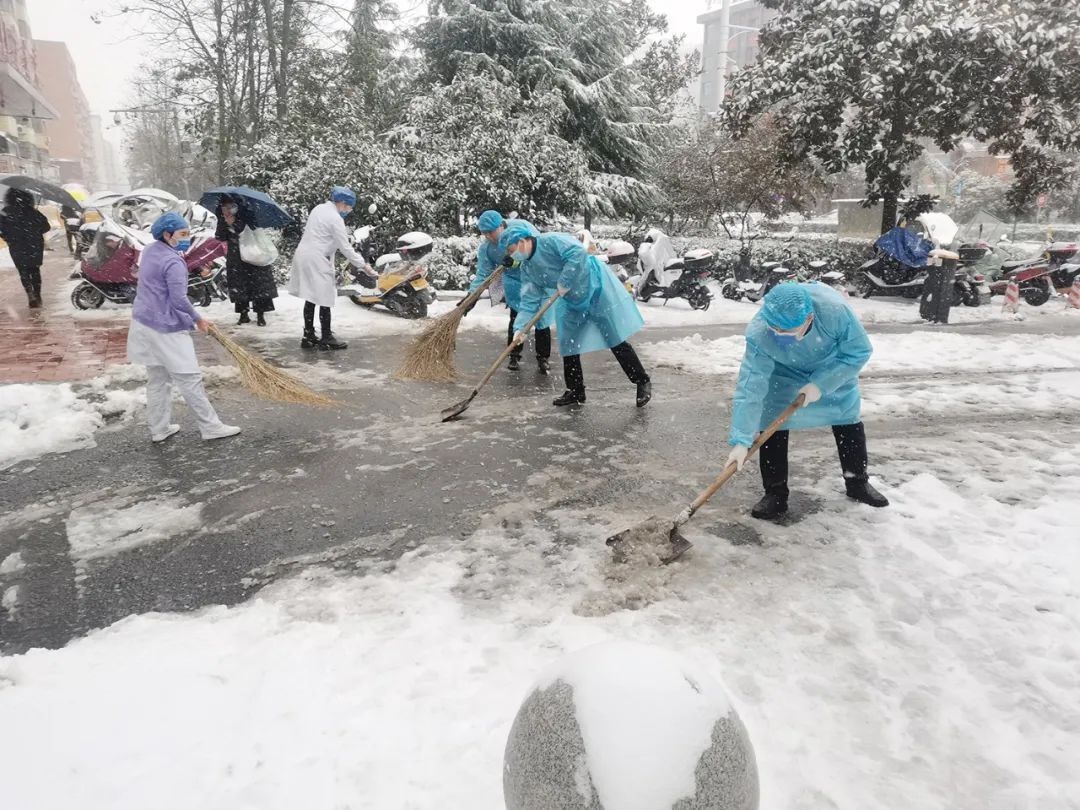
{"x": 159, "y": 338}
{"x": 313, "y": 276}
{"x": 23, "y": 227}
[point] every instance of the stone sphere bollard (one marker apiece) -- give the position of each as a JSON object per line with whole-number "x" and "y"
{"x": 627, "y": 726}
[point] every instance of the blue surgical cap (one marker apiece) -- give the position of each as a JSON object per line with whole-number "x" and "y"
{"x": 489, "y": 221}
{"x": 168, "y": 223}
{"x": 517, "y": 230}
{"x": 787, "y": 306}
{"x": 343, "y": 194}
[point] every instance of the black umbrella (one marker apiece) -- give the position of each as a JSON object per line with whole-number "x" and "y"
{"x": 265, "y": 213}
{"x": 42, "y": 188}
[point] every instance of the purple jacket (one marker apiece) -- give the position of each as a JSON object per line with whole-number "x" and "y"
{"x": 161, "y": 300}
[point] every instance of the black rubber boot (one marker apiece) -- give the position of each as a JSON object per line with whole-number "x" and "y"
{"x": 772, "y": 506}
{"x": 331, "y": 343}
{"x": 33, "y": 300}
{"x": 260, "y": 319}
{"x": 244, "y": 318}
{"x": 543, "y": 365}
{"x": 569, "y": 398}
{"x": 861, "y": 491}
{"x": 309, "y": 341}
{"x": 644, "y": 394}
{"x": 515, "y": 362}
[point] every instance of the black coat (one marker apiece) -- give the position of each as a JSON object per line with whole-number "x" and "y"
{"x": 248, "y": 283}
{"x": 24, "y": 229}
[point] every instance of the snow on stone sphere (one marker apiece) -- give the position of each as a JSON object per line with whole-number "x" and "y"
{"x": 628, "y": 726}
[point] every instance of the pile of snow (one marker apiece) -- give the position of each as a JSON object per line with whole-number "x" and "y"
{"x": 37, "y": 419}
{"x": 40, "y": 419}
{"x": 923, "y": 351}
{"x": 914, "y": 657}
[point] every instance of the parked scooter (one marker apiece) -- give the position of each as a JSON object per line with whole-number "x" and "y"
{"x": 621, "y": 257}
{"x": 745, "y": 284}
{"x": 402, "y": 286}
{"x": 819, "y": 271}
{"x": 110, "y": 270}
{"x": 1038, "y": 278}
{"x": 693, "y": 272}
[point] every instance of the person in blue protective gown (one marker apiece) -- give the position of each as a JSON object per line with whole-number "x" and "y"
{"x": 594, "y": 313}
{"x": 488, "y": 258}
{"x": 804, "y": 340}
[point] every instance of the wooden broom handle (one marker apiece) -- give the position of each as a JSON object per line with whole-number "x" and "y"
{"x": 732, "y": 468}
{"x": 506, "y": 352}
{"x": 474, "y": 296}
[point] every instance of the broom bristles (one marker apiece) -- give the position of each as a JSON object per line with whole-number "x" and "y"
{"x": 430, "y": 358}
{"x": 267, "y": 381}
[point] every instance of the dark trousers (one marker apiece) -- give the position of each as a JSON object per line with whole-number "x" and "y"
{"x": 624, "y": 353}
{"x": 850, "y": 445}
{"x": 309, "y": 318}
{"x": 261, "y": 305}
{"x": 542, "y": 338}
{"x": 31, "y": 280}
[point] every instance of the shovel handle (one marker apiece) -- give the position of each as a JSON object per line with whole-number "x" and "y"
{"x": 731, "y": 469}
{"x": 506, "y": 352}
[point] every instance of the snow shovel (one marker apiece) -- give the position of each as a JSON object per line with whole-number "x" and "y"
{"x": 655, "y": 531}
{"x": 454, "y": 411}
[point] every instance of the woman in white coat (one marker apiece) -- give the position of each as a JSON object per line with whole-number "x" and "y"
{"x": 313, "y": 277}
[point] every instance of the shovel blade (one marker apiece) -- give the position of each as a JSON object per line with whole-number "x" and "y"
{"x": 662, "y": 534}
{"x": 454, "y": 411}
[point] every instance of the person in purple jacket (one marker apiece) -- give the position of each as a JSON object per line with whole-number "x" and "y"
{"x": 161, "y": 319}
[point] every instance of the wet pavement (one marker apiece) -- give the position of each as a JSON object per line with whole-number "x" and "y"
{"x": 371, "y": 479}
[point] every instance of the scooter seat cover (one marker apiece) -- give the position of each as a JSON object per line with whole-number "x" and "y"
{"x": 831, "y": 355}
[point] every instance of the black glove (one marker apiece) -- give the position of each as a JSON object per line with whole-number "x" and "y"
{"x": 508, "y": 262}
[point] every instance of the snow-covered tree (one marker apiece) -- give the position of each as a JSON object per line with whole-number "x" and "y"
{"x": 581, "y": 48}
{"x": 715, "y": 176}
{"x": 474, "y": 144}
{"x": 864, "y": 82}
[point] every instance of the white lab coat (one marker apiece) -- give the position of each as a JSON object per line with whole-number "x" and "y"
{"x": 313, "y": 263}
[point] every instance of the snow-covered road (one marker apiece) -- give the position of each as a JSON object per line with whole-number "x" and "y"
{"x": 922, "y": 656}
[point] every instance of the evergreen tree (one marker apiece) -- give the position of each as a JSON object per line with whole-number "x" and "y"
{"x": 580, "y": 48}
{"x": 865, "y": 82}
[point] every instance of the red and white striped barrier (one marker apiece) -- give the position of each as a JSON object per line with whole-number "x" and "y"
{"x": 1074, "y": 295}
{"x": 1012, "y": 298}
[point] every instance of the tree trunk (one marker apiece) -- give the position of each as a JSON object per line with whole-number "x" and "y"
{"x": 588, "y": 219}
{"x": 890, "y": 205}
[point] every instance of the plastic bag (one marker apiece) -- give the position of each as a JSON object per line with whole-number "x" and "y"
{"x": 257, "y": 247}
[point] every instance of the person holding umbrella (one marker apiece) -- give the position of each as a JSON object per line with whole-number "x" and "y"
{"x": 594, "y": 313}
{"x": 161, "y": 319}
{"x": 313, "y": 277}
{"x": 250, "y": 286}
{"x": 23, "y": 227}
{"x": 804, "y": 340}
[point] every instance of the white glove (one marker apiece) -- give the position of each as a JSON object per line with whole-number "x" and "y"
{"x": 811, "y": 393}
{"x": 519, "y": 339}
{"x": 737, "y": 456}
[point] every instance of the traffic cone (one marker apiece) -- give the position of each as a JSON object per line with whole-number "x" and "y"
{"x": 1073, "y": 301}
{"x": 1012, "y": 298}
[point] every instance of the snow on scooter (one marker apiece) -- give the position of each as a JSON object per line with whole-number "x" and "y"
{"x": 402, "y": 286}
{"x": 745, "y": 284}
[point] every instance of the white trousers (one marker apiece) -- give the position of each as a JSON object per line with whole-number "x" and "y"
{"x": 159, "y": 385}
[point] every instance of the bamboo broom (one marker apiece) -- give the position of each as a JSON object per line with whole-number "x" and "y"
{"x": 267, "y": 381}
{"x": 430, "y": 358}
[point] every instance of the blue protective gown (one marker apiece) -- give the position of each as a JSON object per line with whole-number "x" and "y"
{"x": 597, "y": 313}
{"x": 488, "y": 259}
{"x": 831, "y": 356}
